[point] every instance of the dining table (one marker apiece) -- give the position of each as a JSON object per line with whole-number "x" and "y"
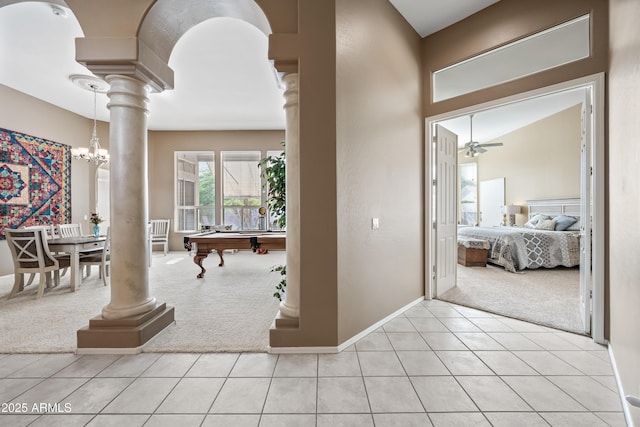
{"x": 74, "y": 246}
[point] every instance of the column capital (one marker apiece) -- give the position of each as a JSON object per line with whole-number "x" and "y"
{"x": 284, "y": 49}
{"x": 125, "y": 91}
{"x": 126, "y": 56}
{"x": 291, "y": 89}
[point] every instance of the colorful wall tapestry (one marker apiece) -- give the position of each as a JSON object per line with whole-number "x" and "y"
{"x": 35, "y": 181}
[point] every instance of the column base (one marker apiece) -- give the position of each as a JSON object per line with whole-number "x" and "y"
{"x": 127, "y": 333}
{"x": 282, "y": 321}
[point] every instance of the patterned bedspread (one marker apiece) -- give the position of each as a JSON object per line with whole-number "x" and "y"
{"x": 517, "y": 248}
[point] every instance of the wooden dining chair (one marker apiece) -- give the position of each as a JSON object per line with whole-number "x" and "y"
{"x": 50, "y": 232}
{"x": 69, "y": 230}
{"x": 75, "y": 230}
{"x": 100, "y": 258}
{"x": 31, "y": 254}
{"x": 160, "y": 233}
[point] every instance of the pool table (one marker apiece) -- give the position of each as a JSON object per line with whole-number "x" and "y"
{"x": 218, "y": 241}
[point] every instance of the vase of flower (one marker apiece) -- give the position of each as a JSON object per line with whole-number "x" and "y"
{"x": 96, "y": 220}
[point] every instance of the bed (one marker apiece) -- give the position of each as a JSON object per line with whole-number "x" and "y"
{"x": 544, "y": 242}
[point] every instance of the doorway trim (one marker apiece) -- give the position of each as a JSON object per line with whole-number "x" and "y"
{"x": 597, "y": 83}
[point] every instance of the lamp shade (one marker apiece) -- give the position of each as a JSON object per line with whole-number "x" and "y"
{"x": 512, "y": 209}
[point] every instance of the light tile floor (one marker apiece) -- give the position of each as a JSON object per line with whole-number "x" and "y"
{"x": 436, "y": 364}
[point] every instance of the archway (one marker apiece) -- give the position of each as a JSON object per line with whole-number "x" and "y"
{"x": 131, "y": 67}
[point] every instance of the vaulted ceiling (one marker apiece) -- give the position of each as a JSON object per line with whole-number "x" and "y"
{"x": 229, "y": 84}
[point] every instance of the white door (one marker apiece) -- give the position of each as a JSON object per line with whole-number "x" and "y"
{"x": 446, "y": 227}
{"x": 585, "y": 215}
{"x": 491, "y": 202}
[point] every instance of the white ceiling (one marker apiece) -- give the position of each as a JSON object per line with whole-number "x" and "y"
{"x": 226, "y": 84}
{"x": 497, "y": 121}
{"x": 429, "y": 16}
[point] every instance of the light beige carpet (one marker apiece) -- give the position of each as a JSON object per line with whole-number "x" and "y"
{"x": 231, "y": 309}
{"x": 548, "y": 297}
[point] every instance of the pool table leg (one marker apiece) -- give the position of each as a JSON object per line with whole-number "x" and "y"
{"x": 197, "y": 259}
{"x": 219, "y": 251}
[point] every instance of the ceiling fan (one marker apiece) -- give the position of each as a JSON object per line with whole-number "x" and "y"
{"x": 474, "y": 148}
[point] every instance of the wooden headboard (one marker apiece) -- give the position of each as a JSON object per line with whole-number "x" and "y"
{"x": 554, "y": 207}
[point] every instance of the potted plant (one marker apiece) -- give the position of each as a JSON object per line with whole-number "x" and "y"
{"x": 274, "y": 173}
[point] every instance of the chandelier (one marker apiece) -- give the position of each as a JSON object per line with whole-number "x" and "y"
{"x": 94, "y": 153}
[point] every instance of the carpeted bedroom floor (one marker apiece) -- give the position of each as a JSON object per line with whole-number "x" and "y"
{"x": 548, "y": 297}
{"x": 230, "y": 310}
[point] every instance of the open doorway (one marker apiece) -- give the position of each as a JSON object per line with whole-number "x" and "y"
{"x": 590, "y": 189}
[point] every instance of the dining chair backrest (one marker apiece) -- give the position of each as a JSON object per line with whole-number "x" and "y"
{"x": 31, "y": 254}
{"x": 30, "y": 250}
{"x": 49, "y": 230}
{"x": 69, "y": 230}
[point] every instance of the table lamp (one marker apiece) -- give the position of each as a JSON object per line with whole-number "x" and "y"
{"x": 511, "y": 211}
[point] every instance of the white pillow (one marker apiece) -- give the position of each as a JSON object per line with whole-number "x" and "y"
{"x": 535, "y": 220}
{"x": 546, "y": 224}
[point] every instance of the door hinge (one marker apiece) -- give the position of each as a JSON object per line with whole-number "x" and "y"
{"x": 591, "y": 294}
{"x": 434, "y": 273}
{"x": 434, "y": 139}
{"x": 434, "y": 224}
{"x": 591, "y": 170}
{"x": 434, "y": 182}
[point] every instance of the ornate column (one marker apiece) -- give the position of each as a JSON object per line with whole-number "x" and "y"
{"x": 128, "y": 99}
{"x": 290, "y": 307}
{"x": 132, "y": 317}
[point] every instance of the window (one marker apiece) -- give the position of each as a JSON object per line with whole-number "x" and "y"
{"x": 469, "y": 194}
{"x": 241, "y": 189}
{"x": 223, "y": 190}
{"x": 195, "y": 190}
{"x": 559, "y": 45}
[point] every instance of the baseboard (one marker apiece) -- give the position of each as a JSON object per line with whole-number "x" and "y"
{"x": 347, "y": 343}
{"x": 121, "y": 351}
{"x": 376, "y": 325}
{"x": 303, "y": 350}
{"x": 625, "y": 405}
